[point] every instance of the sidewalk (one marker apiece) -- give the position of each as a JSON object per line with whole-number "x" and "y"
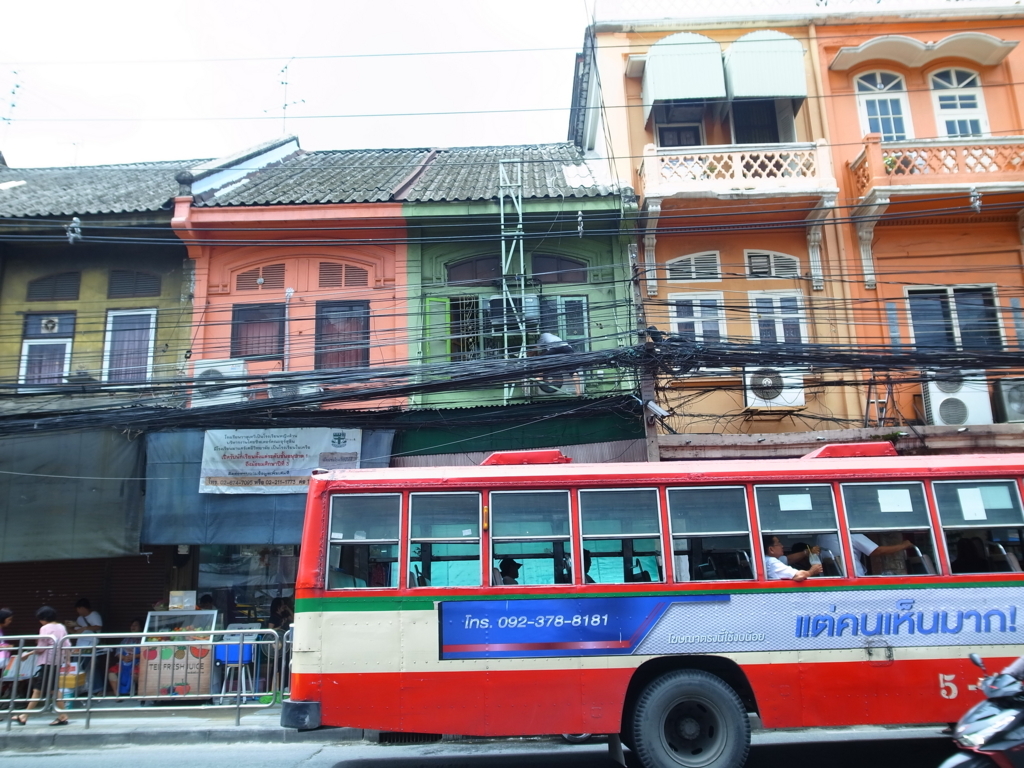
{"x": 109, "y": 728}
{"x": 217, "y": 726}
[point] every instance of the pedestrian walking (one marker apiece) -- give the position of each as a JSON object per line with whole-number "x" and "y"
{"x": 51, "y": 632}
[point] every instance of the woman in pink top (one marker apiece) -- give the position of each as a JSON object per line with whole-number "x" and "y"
{"x": 50, "y": 634}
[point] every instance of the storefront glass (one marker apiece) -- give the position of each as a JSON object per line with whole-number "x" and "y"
{"x": 244, "y": 579}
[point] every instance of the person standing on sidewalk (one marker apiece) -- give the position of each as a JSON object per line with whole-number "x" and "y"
{"x": 51, "y": 632}
{"x": 88, "y": 623}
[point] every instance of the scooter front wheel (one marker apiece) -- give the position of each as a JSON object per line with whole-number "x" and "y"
{"x": 968, "y": 760}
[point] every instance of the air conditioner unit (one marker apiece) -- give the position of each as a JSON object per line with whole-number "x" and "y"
{"x": 291, "y": 389}
{"x": 503, "y": 311}
{"x": 209, "y": 372}
{"x": 767, "y": 388}
{"x": 561, "y": 385}
{"x": 1009, "y": 400}
{"x": 954, "y": 397}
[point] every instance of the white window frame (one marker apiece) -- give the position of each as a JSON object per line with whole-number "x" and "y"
{"x": 23, "y": 364}
{"x": 111, "y": 314}
{"x": 755, "y": 334}
{"x": 719, "y": 298}
{"x": 773, "y": 256}
{"x": 690, "y": 257}
{"x": 901, "y": 94}
{"x": 979, "y": 113}
{"x": 953, "y": 319}
{"x": 700, "y": 130}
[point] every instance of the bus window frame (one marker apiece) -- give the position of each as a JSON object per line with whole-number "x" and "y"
{"x": 402, "y": 506}
{"x": 658, "y": 536}
{"x": 478, "y": 539}
{"x": 489, "y": 563}
{"x": 837, "y": 513}
{"x": 754, "y": 553}
{"x": 947, "y": 565}
{"x": 850, "y": 530}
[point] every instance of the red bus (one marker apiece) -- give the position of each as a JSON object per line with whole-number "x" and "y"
{"x": 530, "y": 595}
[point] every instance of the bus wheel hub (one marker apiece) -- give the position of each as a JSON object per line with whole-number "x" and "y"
{"x": 689, "y": 728}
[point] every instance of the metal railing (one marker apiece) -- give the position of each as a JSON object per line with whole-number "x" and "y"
{"x": 223, "y": 669}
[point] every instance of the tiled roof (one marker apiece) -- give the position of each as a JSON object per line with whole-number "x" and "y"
{"x": 300, "y": 178}
{"x": 471, "y": 173}
{"x": 409, "y": 175}
{"x": 335, "y": 176}
{"x": 88, "y": 189}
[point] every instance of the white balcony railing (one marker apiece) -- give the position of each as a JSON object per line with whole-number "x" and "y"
{"x": 755, "y": 168}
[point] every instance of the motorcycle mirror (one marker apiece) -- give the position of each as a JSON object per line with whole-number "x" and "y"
{"x": 976, "y": 660}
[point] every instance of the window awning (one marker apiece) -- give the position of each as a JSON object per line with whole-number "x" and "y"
{"x": 683, "y": 66}
{"x": 978, "y": 47}
{"x": 765, "y": 65}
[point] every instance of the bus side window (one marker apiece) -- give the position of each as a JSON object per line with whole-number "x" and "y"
{"x": 890, "y": 531}
{"x": 530, "y": 537}
{"x": 801, "y": 517}
{"x": 621, "y": 536}
{"x": 983, "y": 524}
{"x": 363, "y": 548}
{"x": 710, "y": 533}
{"x": 445, "y": 540}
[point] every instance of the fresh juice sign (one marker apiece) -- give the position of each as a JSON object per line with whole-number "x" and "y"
{"x": 175, "y": 670}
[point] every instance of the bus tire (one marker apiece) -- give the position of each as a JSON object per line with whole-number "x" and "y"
{"x": 690, "y": 719}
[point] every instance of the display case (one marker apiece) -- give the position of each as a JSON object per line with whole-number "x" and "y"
{"x": 177, "y": 665}
{"x": 158, "y": 623}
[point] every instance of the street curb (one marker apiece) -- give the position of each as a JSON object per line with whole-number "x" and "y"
{"x": 66, "y": 738}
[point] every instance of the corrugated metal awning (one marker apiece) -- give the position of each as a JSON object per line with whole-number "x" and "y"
{"x": 766, "y": 65}
{"x": 683, "y": 66}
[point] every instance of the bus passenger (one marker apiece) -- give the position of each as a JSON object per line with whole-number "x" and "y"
{"x": 776, "y": 569}
{"x": 862, "y": 545}
{"x": 509, "y": 570}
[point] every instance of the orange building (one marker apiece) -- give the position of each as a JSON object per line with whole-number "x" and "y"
{"x": 772, "y": 225}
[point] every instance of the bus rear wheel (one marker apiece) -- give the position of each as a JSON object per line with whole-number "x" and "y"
{"x": 690, "y": 719}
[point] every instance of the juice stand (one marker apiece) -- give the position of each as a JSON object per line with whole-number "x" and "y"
{"x": 177, "y": 665}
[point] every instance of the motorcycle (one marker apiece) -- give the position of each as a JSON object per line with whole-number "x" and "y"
{"x": 992, "y": 732}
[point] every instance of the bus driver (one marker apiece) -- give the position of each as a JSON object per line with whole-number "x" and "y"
{"x": 776, "y": 569}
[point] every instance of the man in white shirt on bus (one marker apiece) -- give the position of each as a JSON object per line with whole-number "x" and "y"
{"x": 862, "y": 545}
{"x": 776, "y": 569}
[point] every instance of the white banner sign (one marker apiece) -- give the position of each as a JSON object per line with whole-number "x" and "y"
{"x": 273, "y": 460}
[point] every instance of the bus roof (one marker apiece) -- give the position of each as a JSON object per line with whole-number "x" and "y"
{"x": 725, "y": 470}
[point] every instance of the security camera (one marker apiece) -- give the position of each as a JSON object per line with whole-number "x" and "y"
{"x": 656, "y": 409}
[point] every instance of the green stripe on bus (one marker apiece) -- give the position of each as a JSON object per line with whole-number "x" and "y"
{"x": 425, "y": 603}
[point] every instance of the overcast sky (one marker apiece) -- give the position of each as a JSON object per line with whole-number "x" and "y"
{"x": 115, "y": 81}
{"x": 112, "y": 82}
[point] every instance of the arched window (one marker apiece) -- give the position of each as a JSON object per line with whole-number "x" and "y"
{"x": 60, "y": 287}
{"x": 699, "y": 266}
{"x": 959, "y": 105}
{"x": 480, "y": 270}
{"x": 882, "y": 97}
{"x": 558, "y": 269}
{"x": 334, "y": 275}
{"x": 129, "y": 284}
{"x": 270, "y": 277}
{"x": 767, "y": 264}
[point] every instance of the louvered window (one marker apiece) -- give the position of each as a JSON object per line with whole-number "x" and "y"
{"x": 760, "y": 264}
{"x": 262, "y": 278}
{"x": 60, "y": 287}
{"x": 558, "y": 269}
{"x": 127, "y": 284}
{"x": 342, "y": 276}
{"x": 700, "y": 266}
{"x": 480, "y": 270}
